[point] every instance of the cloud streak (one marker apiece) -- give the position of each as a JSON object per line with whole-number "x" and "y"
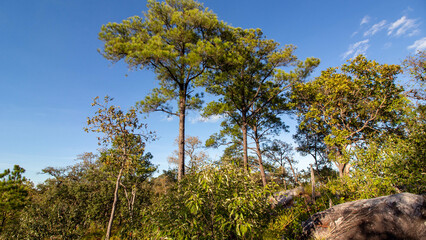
{"x": 375, "y": 28}
{"x": 211, "y": 119}
{"x": 403, "y": 26}
{"x": 387, "y": 45}
{"x": 365, "y": 20}
{"x": 418, "y": 45}
{"x": 357, "y": 48}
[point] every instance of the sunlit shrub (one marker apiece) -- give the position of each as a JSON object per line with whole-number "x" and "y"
{"x": 219, "y": 202}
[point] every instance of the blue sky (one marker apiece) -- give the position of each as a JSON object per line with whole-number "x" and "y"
{"x": 51, "y": 70}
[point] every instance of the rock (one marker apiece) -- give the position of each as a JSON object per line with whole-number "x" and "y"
{"x": 399, "y": 216}
{"x": 285, "y": 198}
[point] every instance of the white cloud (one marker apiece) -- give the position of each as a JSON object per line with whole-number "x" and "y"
{"x": 375, "y": 28}
{"x": 402, "y": 26}
{"x": 407, "y": 10}
{"x": 211, "y": 119}
{"x": 357, "y": 48}
{"x": 387, "y": 45}
{"x": 365, "y": 20}
{"x": 414, "y": 32}
{"x": 353, "y": 34}
{"x": 418, "y": 45}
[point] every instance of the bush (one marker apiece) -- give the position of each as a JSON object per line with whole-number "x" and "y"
{"x": 219, "y": 202}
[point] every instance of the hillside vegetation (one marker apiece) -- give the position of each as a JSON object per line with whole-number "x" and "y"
{"x": 363, "y": 123}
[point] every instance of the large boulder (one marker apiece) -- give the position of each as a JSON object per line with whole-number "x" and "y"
{"x": 399, "y": 216}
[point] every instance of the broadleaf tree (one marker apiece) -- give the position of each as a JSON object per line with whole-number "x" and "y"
{"x": 358, "y": 103}
{"x": 174, "y": 38}
{"x": 415, "y": 66}
{"x": 124, "y": 139}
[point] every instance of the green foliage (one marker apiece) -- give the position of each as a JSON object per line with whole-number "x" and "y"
{"x": 354, "y": 115}
{"x": 352, "y": 106}
{"x": 416, "y": 67}
{"x": 287, "y": 224}
{"x": 123, "y": 135}
{"x": 71, "y": 202}
{"x": 280, "y": 154}
{"x": 171, "y": 35}
{"x": 162, "y": 184}
{"x": 384, "y": 168}
{"x": 312, "y": 143}
{"x": 14, "y": 196}
{"x": 75, "y": 203}
{"x": 396, "y": 164}
{"x": 176, "y": 39}
{"x": 219, "y": 202}
{"x": 125, "y": 140}
{"x": 250, "y": 85}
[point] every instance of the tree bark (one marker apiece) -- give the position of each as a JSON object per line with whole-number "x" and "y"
{"x": 130, "y": 200}
{"x": 343, "y": 169}
{"x": 313, "y": 184}
{"x": 293, "y": 171}
{"x": 114, "y": 204}
{"x": 182, "y": 112}
{"x": 245, "y": 148}
{"x": 259, "y": 157}
{"x": 283, "y": 176}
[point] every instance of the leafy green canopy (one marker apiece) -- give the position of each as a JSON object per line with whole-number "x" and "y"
{"x": 250, "y": 82}
{"x": 125, "y": 140}
{"x": 416, "y": 67}
{"x": 359, "y": 103}
{"x": 248, "y": 78}
{"x": 124, "y": 137}
{"x": 218, "y": 202}
{"x": 75, "y": 201}
{"x": 395, "y": 165}
{"x": 175, "y": 39}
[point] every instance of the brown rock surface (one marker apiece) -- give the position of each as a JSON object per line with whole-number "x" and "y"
{"x": 399, "y": 216}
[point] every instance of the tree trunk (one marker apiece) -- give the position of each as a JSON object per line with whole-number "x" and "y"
{"x": 259, "y": 157}
{"x": 283, "y": 176}
{"x": 182, "y": 112}
{"x": 315, "y": 157}
{"x": 117, "y": 185}
{"x": 313, "y": 184}
{"x": 293, "y": 171}
{"x": 130, "y": 200}
{"x": 132, "y": 204}
{"x": 343, "y": 169}
{"x": 245, "y": 148}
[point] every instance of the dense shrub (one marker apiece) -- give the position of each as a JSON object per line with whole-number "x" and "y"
{"x": 219, "y": 202}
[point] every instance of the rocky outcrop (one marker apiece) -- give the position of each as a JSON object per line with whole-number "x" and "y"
{"x": 285, "y": 198}
{"x": 399, "y": 216}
